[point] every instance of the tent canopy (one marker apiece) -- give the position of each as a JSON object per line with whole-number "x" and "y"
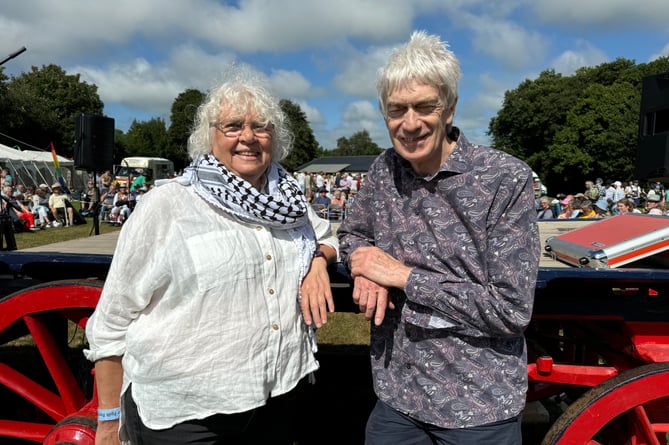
{"x": 36, "y": 167}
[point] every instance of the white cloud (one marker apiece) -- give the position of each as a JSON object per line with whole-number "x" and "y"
{"x": 358, "y": 73}
{"x": 314, "y": 116}
{"x": 290, "y": 84}
{"x": 664, "y": 52}
{"x": 605, "y": 14}
{"x": 136, "y": 85}
{"x": 258, "y": 25}
{"x": 586, "y": 55}
{"x": 509, "y": 43}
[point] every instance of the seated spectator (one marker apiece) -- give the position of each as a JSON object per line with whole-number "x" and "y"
{"x": 587, "y": 210}
{"x": 88, "y": 197}
{"x": 567, "y": 209}
{"x": 21, "y": 217}
{"x": 601, "y": 208}
{"x": 321, "y": 203}
{"x": 653, "y": 203}
{"x": 59, "y": 207}
{"x": 351, "y": 197}
{"x": 546, "y": 212}
{"x": 120, "y": 210}
{"x": 140, "y": 193}
{"x": 322, "y": 197}
{"x": 337, "y": 205}
{"x": 20, "y": 194}
{"x": 40, "y": 206}
{"x": 627, "y": 205}
{"x": 107, "y": 202}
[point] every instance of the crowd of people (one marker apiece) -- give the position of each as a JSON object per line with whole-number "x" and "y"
{"x": 330, "y": 194}
{"x": 600, "y": 199}
{"x": 31, "y": 207}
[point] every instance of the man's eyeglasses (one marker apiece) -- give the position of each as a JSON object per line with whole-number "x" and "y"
{"x": 398, "y": 110}
{"x": 235, "y": 129}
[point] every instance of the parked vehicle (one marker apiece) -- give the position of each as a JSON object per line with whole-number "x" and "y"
{"x": 151, "y": 168}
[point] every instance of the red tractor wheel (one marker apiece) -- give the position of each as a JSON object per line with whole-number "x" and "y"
{"x": 630, "y": 408}
{"x": 43, "y": 374}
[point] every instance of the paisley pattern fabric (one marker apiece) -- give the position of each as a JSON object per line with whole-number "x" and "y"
{"x": 452, "y": 353}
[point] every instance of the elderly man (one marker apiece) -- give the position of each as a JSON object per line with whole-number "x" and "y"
{"x": 443, "y": 246}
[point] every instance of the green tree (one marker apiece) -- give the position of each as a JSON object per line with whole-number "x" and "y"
{"x": 532, "y": 114}
{"x": 147, "y": 138}
{"x": 573, "y": 128}
{"x": 182, "y": 116}
{"x": 305, "y": 146}
{"x": 597, "y": 138}
{"x": 43, "y": 104}
{"x": 120, "y": 146}
{"x": 359, "y": 144}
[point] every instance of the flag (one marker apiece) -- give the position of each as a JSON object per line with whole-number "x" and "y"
{"x": 59, "y": 173}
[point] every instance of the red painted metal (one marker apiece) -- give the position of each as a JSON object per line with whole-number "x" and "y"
{"x": 43, "y": 312}
{"x": 628, "y": 408}
{"x": 650, "y": 339}
{"x": 79, "y": 430}
{"x": 579, "y": 375}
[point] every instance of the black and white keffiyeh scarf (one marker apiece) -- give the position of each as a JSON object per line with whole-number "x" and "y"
{"x": 281, "y": 204}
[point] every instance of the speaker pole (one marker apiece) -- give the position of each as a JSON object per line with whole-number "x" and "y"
{"x": 96, "y": 205}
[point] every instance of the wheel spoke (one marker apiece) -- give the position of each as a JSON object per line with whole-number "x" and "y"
{"x": 73, "y": 397}
{"x": 643, "y": 426}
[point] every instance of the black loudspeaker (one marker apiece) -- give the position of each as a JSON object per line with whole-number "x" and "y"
{"x": 94, "y": 142}
{"x": 653, "y": 151}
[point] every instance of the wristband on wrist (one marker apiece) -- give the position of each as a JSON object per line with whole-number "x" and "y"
{"x": 320, "y": 254}
{"x": 109, "y": 414}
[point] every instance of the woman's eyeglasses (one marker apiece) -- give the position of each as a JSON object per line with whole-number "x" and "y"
{"x": 235, "y": 129}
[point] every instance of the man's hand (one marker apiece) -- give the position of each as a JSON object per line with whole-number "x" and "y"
{"x": 374, "y": 272}
{"x": 371, "y": 298}
{"x": 379, "y": 267}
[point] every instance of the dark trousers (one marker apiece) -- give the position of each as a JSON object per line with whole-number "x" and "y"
{"x": 274, "y": 423}
{"x": 389, "y": 426}
{"x": 7, "y": 233}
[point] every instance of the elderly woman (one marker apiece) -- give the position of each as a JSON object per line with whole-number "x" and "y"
{"x": 546, "y": 212}
{"x": 204, "y": 328}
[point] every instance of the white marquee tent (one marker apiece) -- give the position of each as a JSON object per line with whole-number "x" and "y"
{"x": 37, "y": 167}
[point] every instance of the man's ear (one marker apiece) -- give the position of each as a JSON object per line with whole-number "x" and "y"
{"x": 449, "y": 113}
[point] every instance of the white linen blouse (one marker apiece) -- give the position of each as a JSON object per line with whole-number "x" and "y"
{"x": 203, "y": 308}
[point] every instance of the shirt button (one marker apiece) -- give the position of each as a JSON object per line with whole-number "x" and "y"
{"x": 258, "y": 228}
{"x": 275, "y": 326}
{"x": 271, "y": 291}
{"x": 268, "y": 257}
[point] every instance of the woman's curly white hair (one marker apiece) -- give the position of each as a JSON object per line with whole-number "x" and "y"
{"x": 242, "y": 91}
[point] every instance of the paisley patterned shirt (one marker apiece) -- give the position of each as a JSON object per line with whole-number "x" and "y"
{"x": 452, "y": 352}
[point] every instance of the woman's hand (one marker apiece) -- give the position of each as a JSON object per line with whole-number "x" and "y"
{"x": 107, "y": 433}
{"x": 317, "y": 299}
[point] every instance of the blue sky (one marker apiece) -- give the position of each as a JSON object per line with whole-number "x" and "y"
{"x": 321, "y": 54}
